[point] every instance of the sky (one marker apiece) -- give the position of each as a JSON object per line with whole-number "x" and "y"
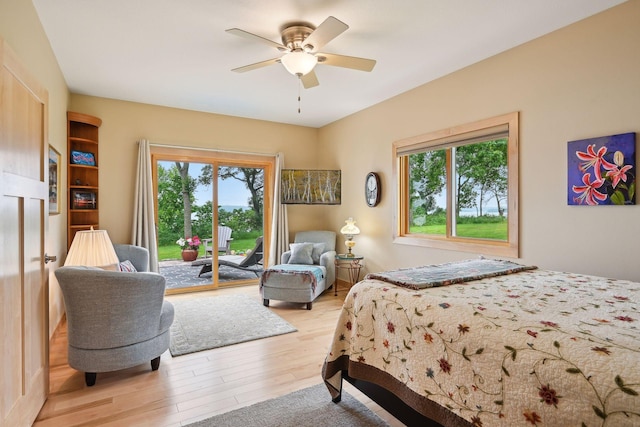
{"x": 231, "y": 191}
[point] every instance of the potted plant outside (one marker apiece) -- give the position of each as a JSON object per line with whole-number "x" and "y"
{"x": 190, "y": 247}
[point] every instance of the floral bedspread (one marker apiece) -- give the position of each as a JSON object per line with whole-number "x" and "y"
{"x": 536, "y": 348}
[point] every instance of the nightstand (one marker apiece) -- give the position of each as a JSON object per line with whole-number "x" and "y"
{"x": 353, "y": 265}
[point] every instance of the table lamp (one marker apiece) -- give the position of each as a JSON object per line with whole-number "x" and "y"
{"x": 349, "y": 231}
{"x": 92, "y": 248}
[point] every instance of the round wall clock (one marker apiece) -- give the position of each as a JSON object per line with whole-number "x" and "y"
{"x": 372, "y": 189}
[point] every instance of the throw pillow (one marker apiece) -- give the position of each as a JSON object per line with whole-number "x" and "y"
{"x": 318, "y": 249}
{"x": 301, "y": 253}
{"x": 127, "y": 266}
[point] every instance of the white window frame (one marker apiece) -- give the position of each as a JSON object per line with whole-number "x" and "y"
{"x": 472, "y": 132}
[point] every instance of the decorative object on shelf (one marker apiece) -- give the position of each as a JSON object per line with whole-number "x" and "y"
{"x": 190, "y": 247}
{"x": 372, "y": 189}
{"x": 83, "y": 200}
{"x": 349, "y": 231}
{"x": 92, "y": 248}
{"x": 82, "y": 158}
{"x": 311, "y": 187}
{"x": 54, "y": 174}
{"x": 602, "y": 171}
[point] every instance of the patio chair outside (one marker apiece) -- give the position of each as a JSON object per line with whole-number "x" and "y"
{"x": 224, "y": 241}
{"x": 252, "y": 262}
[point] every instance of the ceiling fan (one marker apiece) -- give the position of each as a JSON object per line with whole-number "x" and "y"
{"x": 302, "y": 43}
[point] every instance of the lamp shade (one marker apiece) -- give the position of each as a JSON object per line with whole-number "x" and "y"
{"x": 350, "y": 229}
{"x": 92, "y": 248}
{"x": 299, "y": 63}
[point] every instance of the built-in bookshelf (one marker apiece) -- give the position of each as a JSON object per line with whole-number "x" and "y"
{"x": 82, "y": 173}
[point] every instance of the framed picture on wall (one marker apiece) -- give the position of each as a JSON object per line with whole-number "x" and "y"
{"x": 602, "y": 170}
{"x": 311, "y": 187}
{"x": 54, "y": 176}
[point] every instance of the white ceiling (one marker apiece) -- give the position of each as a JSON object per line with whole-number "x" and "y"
{"x": 177, "y": 53}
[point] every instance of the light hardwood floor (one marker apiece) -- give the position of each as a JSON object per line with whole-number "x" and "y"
{"x": 195, "y": 386}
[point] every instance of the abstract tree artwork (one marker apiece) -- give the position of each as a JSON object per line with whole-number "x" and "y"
{"x": 602, "y": 171}
{"x": 311, "y": 187}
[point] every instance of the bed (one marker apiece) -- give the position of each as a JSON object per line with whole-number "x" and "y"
{"x": 478, "y": 345}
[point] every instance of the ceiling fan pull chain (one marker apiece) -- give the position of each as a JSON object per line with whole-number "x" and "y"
{"x": 299, "y": 86}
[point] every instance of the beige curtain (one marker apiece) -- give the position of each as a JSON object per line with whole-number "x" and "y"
{"x": 279, "y": 223}
{"x": 144, "y": 229}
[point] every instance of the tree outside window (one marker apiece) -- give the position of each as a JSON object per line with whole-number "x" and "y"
{"x": 460, "y": 191}
{"x": 479, "y": 195}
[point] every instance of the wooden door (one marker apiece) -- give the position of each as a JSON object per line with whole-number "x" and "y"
{"x": 24, "y": 299}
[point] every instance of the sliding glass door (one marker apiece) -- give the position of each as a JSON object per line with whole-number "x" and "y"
{"x": 241, "y": 204}
{"x": 212, "y": 213}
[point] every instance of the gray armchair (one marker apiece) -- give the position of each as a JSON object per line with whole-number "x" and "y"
{"x": 138, "y": 255}
{"x": 115, "y": 320}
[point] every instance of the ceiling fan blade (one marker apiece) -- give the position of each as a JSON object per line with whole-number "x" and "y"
{"x": 324, "y": 33}
{"x": 251, "y": 36}
{"x": 256, "y": 65}
{"x": 352, "y": 62}
{"x": 310, "y": 80}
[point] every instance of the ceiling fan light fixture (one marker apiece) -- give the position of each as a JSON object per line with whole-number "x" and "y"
{"x": 299, "y": 63}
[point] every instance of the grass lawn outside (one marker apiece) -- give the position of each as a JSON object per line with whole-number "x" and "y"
{"x": 173, "y": 251}
{"x": 495, "y": 231}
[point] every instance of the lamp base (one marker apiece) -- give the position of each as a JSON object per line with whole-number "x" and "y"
{"x": 350, "y": 244}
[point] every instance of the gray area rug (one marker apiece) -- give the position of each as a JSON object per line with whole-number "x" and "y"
{"x": 202, "y": 323}
{"x": 309, "y": 407}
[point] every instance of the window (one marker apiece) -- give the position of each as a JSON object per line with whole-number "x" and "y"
{"x": 458, "y": 188}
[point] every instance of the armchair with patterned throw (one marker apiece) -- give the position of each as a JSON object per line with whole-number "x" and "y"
{"x": 115, "y": 319}
{"x": 136, "y": 255}
{"x": 305, "y": 271}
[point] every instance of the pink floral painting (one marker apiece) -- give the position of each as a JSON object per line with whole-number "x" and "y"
{"x": 602, "y": 171}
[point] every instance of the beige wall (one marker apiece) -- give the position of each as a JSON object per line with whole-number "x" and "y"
{"x": 579, "y": 82}
{"x": 21, "y": 29}
{"x": 124, "y": 123}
